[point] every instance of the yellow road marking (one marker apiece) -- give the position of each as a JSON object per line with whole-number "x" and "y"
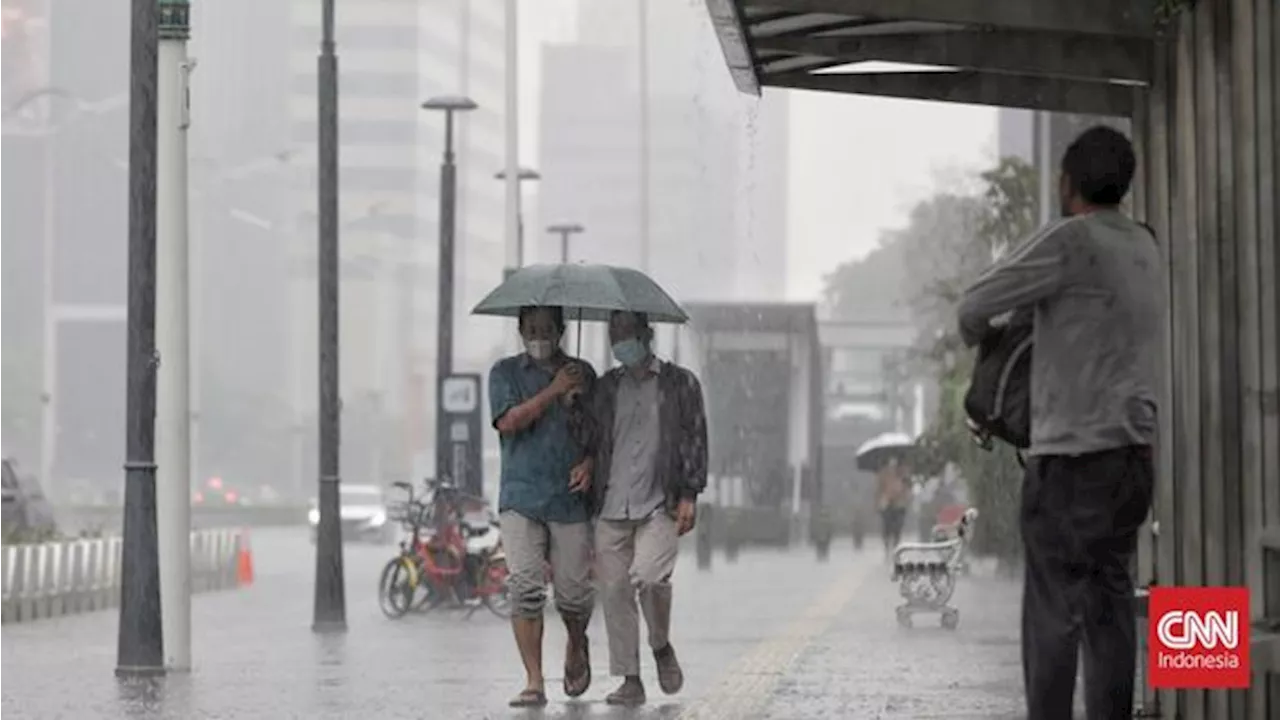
{"x": 749, "y": 683}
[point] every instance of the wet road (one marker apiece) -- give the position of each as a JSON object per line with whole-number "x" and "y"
{"x": 775, "y": 635}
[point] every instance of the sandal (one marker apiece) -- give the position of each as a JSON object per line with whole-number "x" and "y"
{"x": 577, "y": 671}
{"x": 529, "y": 698}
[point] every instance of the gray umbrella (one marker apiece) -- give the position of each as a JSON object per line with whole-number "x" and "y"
{"x": 586, "y": 292}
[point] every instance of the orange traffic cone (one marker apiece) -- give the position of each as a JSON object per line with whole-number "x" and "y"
{"x": 244, "y": 561}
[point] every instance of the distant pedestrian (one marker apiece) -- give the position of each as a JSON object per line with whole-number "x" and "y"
{"x": 543, "y": 503}
{"x": 651, "y": 464}
{"x": 894, "y": 496}
{"x": 1094, "y": 280}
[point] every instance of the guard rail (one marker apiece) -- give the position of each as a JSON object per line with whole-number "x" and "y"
{"x": 67, "y": 577}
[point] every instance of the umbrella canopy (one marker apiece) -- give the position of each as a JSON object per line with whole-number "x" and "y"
{"x": 586, "y": 292}
{"x": 874, "y": 453}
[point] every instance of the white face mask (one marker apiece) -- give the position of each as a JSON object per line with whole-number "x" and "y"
{"x": 539, "y": 349}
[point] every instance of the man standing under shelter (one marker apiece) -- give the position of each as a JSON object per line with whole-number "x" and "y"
{"x": 1095, "y": 282}
{"x": 650, "y": 441}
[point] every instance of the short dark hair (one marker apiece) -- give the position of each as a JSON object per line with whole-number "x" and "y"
{"x": 1099, "y": 165}
{"x": 557, "y": 315}
{"x": 642, "y": 322}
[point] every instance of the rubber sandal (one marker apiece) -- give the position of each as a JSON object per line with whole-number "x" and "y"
{"x": 577, "y": 675}
{"x": 529, "y": 698}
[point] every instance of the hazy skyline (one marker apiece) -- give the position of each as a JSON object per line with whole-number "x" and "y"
{"x": 857, "y": 163}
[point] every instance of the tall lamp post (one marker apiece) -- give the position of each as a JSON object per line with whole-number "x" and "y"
{"x": 140, "y": 642}
{"x": 330, "y": 609}
{"x": 565, "y": 230}
{"x": 448, "y": 104}
{"x": 524, "y": 175}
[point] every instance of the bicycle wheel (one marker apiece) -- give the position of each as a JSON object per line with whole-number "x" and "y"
{"x": 499, "y": 599}
{"x": 395, "y": 589}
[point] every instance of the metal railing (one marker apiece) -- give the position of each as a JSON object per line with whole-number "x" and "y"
{"x": 67, "y": 577}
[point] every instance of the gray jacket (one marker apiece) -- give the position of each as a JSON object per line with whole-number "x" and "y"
{"x": 1096, "y": 284}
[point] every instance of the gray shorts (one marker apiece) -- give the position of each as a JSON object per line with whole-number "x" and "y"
{"x": 529, "y": 546}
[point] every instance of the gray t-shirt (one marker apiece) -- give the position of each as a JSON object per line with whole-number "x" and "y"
{"x": 1096, "y": 282}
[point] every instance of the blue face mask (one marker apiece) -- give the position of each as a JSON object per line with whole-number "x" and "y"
{"x": 630, "y": 352}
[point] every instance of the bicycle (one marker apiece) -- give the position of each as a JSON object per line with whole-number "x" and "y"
{"x": 445, "y": 557}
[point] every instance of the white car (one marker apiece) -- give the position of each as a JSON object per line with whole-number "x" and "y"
{"x": 363, "y": 509}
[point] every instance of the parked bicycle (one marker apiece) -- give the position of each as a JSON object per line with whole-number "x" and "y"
{"x": 451, "y": 556}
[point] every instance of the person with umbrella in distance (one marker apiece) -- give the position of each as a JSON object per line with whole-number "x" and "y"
{"x": 535, "y": 398}
{"x": 650, "y": 444}
{"x": 887, "y": 456}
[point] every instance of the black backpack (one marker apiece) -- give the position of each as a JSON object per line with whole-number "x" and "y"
{"x": 998, "y": 401}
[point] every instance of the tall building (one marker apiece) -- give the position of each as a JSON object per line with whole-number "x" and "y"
{"x": 713, "y": 158}
{"x": 393, "y": 56}
{"x": 253, "y": 201}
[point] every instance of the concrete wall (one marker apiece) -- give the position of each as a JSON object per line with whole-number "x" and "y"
{"x": 1208, "y": 138}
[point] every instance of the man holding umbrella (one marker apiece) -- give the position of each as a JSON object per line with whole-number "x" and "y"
{"x": 556, "y": 430}
{"x": 542, "y": 503}
{"x": 651, "y": 464}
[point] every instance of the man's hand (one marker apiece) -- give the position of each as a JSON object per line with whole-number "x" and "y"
{"x": 686, "y": 516}
{"x": 567, "y": 378}
{"x": 580, "y": 476}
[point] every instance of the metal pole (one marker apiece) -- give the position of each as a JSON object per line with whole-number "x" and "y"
{"x": 383, "y": 279}
{"x": 444, "y": 328}
{"x": 173, "y": 392}
{"x": 49, "y": 328}
{"x": 644, "y": 134}
{"x": 514, "y": 248}
{"x": 140, "y": 643}
{"x": 330, "y": 611}
{"x": 564, "y": 247}
{"x": 1044, "y": 164}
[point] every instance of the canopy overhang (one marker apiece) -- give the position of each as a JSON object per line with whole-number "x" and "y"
{"x": 1084, "y": 56}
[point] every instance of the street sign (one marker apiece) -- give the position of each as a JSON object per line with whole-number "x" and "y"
{"x": 461, "y": 394}
{"x": 458, "y": 432}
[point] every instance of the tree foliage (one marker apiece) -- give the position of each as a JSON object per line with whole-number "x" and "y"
{"x": 920, "y": 272}
{"x": 1006, "y": 214}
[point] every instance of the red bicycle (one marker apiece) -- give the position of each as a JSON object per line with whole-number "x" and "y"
{"x": 445, "y": 558}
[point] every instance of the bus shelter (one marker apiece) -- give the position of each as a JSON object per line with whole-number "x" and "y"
{"x": 1198, "y": 80}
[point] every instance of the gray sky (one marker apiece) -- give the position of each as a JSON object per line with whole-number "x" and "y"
{"x": 857, "y": 163}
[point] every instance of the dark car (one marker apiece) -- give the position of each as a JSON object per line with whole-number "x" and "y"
{"x": 25, "y": 508}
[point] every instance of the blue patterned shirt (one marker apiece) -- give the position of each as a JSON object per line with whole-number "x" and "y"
{"x": 536, "y": 461}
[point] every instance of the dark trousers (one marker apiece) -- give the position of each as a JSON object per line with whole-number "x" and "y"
{"x": 1080, "y": 521}
{"x": 891, "y": 521}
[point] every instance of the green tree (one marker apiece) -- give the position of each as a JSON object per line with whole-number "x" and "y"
{"x": 1006, "y": 214}
{"x": 918, "y": 274}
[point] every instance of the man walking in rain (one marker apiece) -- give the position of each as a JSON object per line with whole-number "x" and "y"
{"x": 651, "y": 464}
{"x": 543, "y": 503}
{"x": 1094, "y": 280}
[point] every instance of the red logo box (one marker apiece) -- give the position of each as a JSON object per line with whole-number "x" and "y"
{"x": 1198, "y": 637}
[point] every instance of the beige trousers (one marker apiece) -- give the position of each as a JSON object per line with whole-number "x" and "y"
{"x": 634, "y": 560}
{"x": 529, "y": 545}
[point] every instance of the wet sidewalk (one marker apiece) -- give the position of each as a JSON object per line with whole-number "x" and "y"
{"x": 774, "y": 635}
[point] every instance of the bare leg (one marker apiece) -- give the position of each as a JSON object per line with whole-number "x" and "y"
{"x": 528, "y": 633}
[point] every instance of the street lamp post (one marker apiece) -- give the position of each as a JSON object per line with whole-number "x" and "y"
{"x": 330, "y": 608}
{"x": 448, "y": 104}
{"x": 140, "y": 642}
{"x": 173, "y": 335}
{"x": 524, "y": 174}
{"x": 565, "y": 230}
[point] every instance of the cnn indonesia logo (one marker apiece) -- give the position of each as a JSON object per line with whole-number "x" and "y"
{"x": 1199, "y": 637}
